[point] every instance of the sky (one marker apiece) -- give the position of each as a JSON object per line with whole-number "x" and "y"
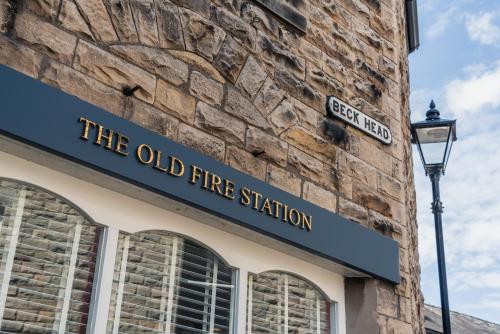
{"x": 458, "y": 65}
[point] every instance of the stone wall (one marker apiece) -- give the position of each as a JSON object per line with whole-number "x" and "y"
{"x": 233, "y": 80}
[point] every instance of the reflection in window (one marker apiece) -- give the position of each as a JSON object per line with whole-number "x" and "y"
{"x": 283, "y": 304}
{"x": 48, "y": 254}
{"x": 165, "y": 283}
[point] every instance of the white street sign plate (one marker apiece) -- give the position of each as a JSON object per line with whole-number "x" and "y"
{"x": 359, "y": 120}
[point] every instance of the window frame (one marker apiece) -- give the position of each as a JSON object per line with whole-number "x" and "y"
{"x": 85, "y": 217}
{"x": 333, "y": 305}
{"x": 101, "y": 323}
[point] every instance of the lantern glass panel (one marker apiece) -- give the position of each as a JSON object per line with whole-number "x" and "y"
{"x": 434, "y": 143}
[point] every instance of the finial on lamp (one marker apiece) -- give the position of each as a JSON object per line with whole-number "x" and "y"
{"x": 432, "y": 114}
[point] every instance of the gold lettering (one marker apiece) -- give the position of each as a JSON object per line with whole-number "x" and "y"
{"x": 256, "y": 199}
{"x": 121, "y": 145}
{"x": 285, "y": 212}
{"x": 158, "y": 162}
{"x": 195, "y": 173}
{"x": 216, "y": 182}
{"x": 205, "y": 179}
{"x": 174, "y": 161}
{"x": 228, "y": 189}
{"x": 245, "y": 196}
{"x": 297, "y": 216}
{"x": 267, "y": 206}
{"x": 108, "y": 138}
{"x": 277, "y": 207}
{"x": 149, "y": 152}
{"x": 88, "y": 124}
{"x": 307, "y": 222}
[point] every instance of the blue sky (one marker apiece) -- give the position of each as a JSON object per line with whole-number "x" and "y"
{"x": 458, "y": 65}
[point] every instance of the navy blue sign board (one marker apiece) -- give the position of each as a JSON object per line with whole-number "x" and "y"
{"x": 56, "y": 122}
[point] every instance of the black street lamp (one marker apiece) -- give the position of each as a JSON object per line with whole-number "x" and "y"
{"x": 434, "y": 138}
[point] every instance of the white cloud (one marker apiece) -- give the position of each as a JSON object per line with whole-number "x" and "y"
{"x": 479, "y": 91}
{"x": 442, "y": 22}
{"x": 484, "y": 28}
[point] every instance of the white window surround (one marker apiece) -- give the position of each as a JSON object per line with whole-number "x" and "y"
{"x": 121, "y": 212}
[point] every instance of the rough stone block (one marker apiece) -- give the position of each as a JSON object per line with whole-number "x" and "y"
{"x": 283, "y": 117}
{"x": 71, "y": 19}
{"x": 324, "y": 83}
{"x": 145, "y": 21}
{"x": 201, "y": 141}
{"x": 384, "y": 22}
{"x": 241, "y": 31}
{"x": 299, "y": 89}
{"x": 262, "y": 144}
{"x": 46, "y": 9}
{"x": 201, "y": 35}
{"x": 335, "y": 69}
{"x": 19, "y": 57}
{"x": 151, "y": 118}
{"x": 175, "y": 102}
{"x": 54, "y": 42}
{"x": 206, "y": 89}
{"x": 75, "y": 83}
{"x": 368, "y": 198}
{"x": 219, "y": 124}
{"x": 319, "y": 196}
{"x": 230, "y": 59}
{"x": 246, "y": 162}
{"x": 387, "y": 301}
{"x": 311, "y": 143}
{"x": 311, "y": 53}
{"x": 155, "y": 61}
{"x": 198, "y": 63}
{"x": 345, "y": 185}
{"x": 284, "y": 180}
{"x": 312, "y": 168}
{"x": 259, "y": 19}
{"x": 373, "y": 155}
{"x": 113, "y": 71}
{"x": 96, "y": 14}
{"x": 234, "y": 6}
{"x": 239, "y": 106}
{"x": 310, "y": 119}
{"x": 123, "y": 20}
{"x": 252, "y": 77}
{"x": 388, "y": 186}
{"x": 199, "y": 6}
{"x": 169, "y": 25}
{"x": 279, "y": 54}
{"x": 268, "y": 97}
{"x": 352, "y": 166}
{"x": 353, "y": 211}
{"x": 339, "y": 14}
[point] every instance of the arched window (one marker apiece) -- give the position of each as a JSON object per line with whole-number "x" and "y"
{"x": 48, "y": 255}
{"x": 165, "y": 283}
{"x": 282, "y": 303}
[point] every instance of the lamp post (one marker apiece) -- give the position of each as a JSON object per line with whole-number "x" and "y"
{"x": 434, "y": 138}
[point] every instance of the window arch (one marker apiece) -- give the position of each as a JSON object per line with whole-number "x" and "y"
{"x": 167, "y": 283}
{"x": 284, "y": 303}
{"x": 48, "y": 251}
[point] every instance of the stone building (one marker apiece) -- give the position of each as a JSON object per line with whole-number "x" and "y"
{"x": 245, "y": 82}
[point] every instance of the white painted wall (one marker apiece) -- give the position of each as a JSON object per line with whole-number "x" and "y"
{"x": 122, "y": 212}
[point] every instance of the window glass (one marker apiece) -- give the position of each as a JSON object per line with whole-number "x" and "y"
{"x": 47, "y": 261}
{"x": 164, "y": 283}
{"x": 283, "y": 303}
